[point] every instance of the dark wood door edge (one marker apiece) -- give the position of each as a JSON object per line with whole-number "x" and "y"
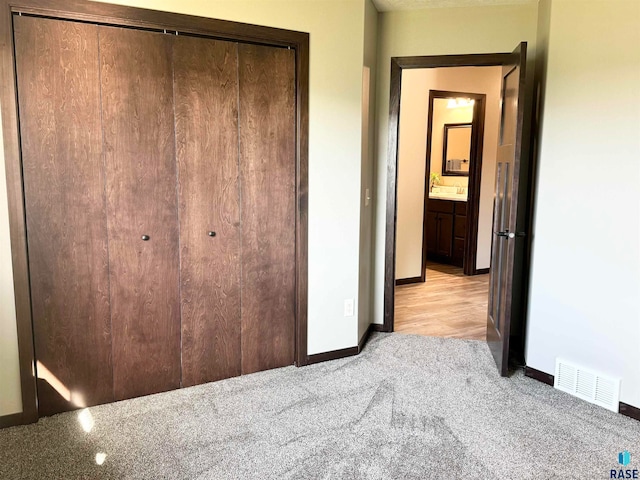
{"x": 407, "y": 281}
{"x": 629, "y": 411}
{"x": 463, "y": 60}
{"x": 538, "y": 375}
{"x": 397, "y": 65}
{"x": 87, "y": 11}
{"x": 11, "y": 420}
{"x": 473, "y": 192}
{"x": 17, "y": 223}
{"x": 302, "y": 193}
{"x": 392, "y": 195}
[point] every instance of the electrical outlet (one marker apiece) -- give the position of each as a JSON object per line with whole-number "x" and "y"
{"x": 348, "y": 307}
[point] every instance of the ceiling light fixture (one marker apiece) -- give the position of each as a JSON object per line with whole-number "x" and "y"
{"x": 460, "y": 102}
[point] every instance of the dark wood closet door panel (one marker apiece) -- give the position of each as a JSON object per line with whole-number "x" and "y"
{"x": 137, "y": 109}
{"x": 267, "y": 186}
{"x": 59, "y": 99}
{"x": 206, "y": 99}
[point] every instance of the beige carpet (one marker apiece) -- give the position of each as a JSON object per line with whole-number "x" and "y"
{"x": 407, "y": 407}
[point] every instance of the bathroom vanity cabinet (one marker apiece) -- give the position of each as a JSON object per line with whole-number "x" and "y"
{"x": 446, "y": 223}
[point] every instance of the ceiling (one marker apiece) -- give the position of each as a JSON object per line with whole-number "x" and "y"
{"x": 388, "y": 5}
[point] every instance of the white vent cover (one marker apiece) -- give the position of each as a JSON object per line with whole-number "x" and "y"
{"x": 587, "y": 384}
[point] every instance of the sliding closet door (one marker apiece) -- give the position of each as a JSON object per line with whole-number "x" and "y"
{"x": 61, "y": 140}
{"x": 267, "y": 185}
{"x": 137, "y": 112}
{"x": 206, "y": 99}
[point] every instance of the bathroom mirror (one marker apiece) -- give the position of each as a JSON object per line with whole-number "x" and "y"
{"x": 456, "y": 156}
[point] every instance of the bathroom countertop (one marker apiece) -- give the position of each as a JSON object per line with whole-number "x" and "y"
{"x": 456, "y": 197}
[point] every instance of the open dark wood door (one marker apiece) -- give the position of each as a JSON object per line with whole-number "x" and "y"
{"x": 506, "y": 268}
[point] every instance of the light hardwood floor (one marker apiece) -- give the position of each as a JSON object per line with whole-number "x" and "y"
{"x": 448, "y": 304}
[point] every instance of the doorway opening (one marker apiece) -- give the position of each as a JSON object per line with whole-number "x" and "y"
{"x": 441, "y": 149}
{"x": 441, "y": 203}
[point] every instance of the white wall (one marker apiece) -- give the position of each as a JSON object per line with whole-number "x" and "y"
{"x": 336, "y": 30}
{"x": 367, "y": 173}
{"x": 586, "y": 261}
{"x": 412, "y": 151}
{"x": 10, "y": 396}
{"x": 436, "y": 31}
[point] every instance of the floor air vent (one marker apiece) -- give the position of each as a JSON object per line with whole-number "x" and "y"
{"x": 588, "y": 385}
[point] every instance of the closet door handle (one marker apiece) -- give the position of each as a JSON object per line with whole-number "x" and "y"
{"x": 146, "y": 237}
{"x": 211, "y": 234}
